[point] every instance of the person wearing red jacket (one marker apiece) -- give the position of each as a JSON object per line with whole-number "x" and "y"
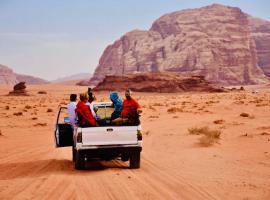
{"x": 84, "y": 113}
{"x": 129, "y": 104}
{"x": 130, "y": 112}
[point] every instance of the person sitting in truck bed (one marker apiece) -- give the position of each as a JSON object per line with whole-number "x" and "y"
{"x": 71, "y": 109}
{"x": 130, "y": 111}
{"x": 85, "y": 117}
{"x": 91, "y": 98}
{"x": 118, "y": 105}
{"x": 129, "y": 104}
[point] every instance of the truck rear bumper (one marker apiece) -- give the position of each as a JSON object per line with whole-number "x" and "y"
{"x": 113, "y": 151}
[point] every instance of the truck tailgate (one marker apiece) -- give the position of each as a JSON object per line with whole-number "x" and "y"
{"x": 112, "y": 135}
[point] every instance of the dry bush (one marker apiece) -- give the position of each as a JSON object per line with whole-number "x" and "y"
{"x": 174, "y": 110}
{"x": 209, "y": 137}
{"x": 261, "y": 105}
{"x": 40, "y": 124}
{"x": 42, "y": 92}
{"x": 152, "y": 108}
{"x": 244, "y": 115}
{"x": 157, "y": 104}
{"x": 1, "y": 133}
{"x": 219, "y": 121}
{"x": 28, "y": 107}
{"x": 175, "y": 117}
{"x": 49, "y": 110}
{"x": 153, "y": 116}
{"x": 34, "y": 118}
{"x": 198, "y": 131}
{"x": 7, "y": 107}
{"x": 265, "y": 133}
{"x": 18, "y": 113}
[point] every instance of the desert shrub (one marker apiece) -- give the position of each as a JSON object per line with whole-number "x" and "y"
{"x": 197, "y": 131}
{"x": 174, "y": 110}
{"x": 219, "y": 121}
{"x": 28, "y": 107}
{"x": 209, "y": 136}
{"x": 18, "y": 113}
{"x": 244, "y": 115}
{"x": 40, "y": 124}
{"x": 7, "y": 107}
{"x": 153, "y": 116}
{"x": 152, "y": 108}
{"x": 42, "y": 92}
{"x": 157, "y": 104}
{"x": 147, "y": 132}
{"x": 49, "y": 110}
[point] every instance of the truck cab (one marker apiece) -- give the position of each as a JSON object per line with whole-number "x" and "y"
{"x": 105, "y": 141}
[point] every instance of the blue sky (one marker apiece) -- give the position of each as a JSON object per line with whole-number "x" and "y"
{"x": 55, "y": 38}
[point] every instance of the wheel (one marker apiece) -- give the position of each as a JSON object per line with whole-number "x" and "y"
{"x": 124, "y": 157}
{"x": 135, "y": 159}
{"x": 73, "y": 154}
{"x": 79, "y": 160}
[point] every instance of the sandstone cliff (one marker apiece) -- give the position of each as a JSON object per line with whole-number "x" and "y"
{"x": 261, "y": 33}
{"x": 218, "y": 42}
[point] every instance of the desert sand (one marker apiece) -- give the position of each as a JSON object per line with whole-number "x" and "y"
{"x": 174, "y": 165}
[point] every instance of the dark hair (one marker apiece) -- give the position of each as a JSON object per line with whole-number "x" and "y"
{"x": 91, "y": 97}
{"x": 73, "y": 97}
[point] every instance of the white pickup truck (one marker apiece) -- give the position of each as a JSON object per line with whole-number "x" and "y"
{"x": 105, "y": 141}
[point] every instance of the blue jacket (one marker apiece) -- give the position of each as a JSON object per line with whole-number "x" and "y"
{"x": 118, "y": 104}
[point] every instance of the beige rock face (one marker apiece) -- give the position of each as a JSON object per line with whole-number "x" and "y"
{"x": 214, "y": 41}
{"x": 7, "y": 76}
{"x": 261, "y": 34}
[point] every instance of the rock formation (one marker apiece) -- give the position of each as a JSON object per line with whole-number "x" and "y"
{"x": 156, "y": 82}
{"x": 218, "y": 42}
{"x": 8, "y": 77}
{"x": 19, "y": 90}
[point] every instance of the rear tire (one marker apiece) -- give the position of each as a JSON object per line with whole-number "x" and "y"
{"x": 79, "y": 160}
{"x": 135, "y": 159}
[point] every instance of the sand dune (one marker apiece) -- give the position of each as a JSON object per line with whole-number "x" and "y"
{"x": 174, "y": 164}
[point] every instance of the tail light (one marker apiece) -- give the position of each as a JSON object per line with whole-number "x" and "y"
{"x": 139, "y": 135}
{"x": 79, "y": 137}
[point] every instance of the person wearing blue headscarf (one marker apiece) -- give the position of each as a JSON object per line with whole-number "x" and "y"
{"x": 118, "y": 105}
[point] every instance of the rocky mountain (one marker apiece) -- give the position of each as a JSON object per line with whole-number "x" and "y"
{"x": 7, "y": 76}
{"x": 75, "y": 77}
{"x": 156, "y": 82}
{"x": 30, "y": 79}
{"x": 219, "y": 42}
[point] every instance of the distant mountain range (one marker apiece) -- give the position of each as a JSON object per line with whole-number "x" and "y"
{"x": 7, "y": 76}
{"x": 75, "y": 77}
